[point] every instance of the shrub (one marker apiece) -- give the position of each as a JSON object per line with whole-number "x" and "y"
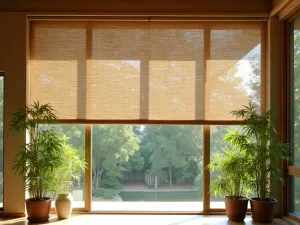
{"x": 199, "y": 182}
{"x": 104, "y": 193}
{"x": 110, "y": 183}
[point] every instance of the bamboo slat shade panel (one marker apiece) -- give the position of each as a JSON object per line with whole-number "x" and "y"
{"x": 145, "y": 70}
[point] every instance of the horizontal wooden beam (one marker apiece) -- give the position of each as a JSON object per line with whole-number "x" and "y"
{"x": 145, "y": 122}
{"x": 174, "y": 17}
{"x": 208, "y": 18}
{"x": 289, "y": 10}
{"x": 140, "y": 7}
{"x": 294, "y": 171}
{"x": 285, "y": 9}
{"x": 279, "y": 7}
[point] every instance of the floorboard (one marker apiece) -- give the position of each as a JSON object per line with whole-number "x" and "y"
{"x": 141, "y": 220}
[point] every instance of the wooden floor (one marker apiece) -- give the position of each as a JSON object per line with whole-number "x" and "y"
{"x": 141, "y": 220}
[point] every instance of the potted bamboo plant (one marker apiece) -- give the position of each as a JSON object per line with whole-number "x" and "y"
{"x": 37, "y": 161}
{"x": 69, "y": 171}
{"x": 264, "y": 157}
{"x": 232, "y": 179}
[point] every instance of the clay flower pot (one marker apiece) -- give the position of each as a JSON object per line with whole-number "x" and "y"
{"x": 263, "y": 211}
{"x": 38, "y": 210}
{"x": 236, "y": 208}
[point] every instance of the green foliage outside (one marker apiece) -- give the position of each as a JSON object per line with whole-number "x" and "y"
{"x": 174, "y": 152}
{"x": 104, "y": 193}
{"x": 112, "y": 148}
{"x": 131, "y": 148}
{"x": 110, "y": 183}
{"x": 199, "y": 183}
{"x": 296, "y": 123}
{"x": 120, "y": 148}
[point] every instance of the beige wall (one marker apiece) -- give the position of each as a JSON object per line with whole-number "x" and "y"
{"x": 13, "y": 54}
{"x": 13, "y": 63}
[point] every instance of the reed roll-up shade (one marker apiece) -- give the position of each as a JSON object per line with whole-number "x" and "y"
{"x": 146, "y": 70}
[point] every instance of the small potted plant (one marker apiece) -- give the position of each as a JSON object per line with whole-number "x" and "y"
{"x": 232, "y": 179}
{"x": 264, "y": 156}
{"x": 69, "y": 171}
{"x": 37, "y": 161}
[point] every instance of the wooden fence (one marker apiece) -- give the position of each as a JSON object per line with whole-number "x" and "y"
{"x": 133, "y": 176}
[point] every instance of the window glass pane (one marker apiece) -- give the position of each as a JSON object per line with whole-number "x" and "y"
{"x": 295, "y": 195}
{"x": 217, "y": 144}
{"x": 147, "y": 168}
{"x": 295, "y": 92}
{"x": 75, "y": 136}
{"x": 234, "y": 76}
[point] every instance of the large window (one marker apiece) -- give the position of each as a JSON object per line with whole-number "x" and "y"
{"x": 148, "y": 96}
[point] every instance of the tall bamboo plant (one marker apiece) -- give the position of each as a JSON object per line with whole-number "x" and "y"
{"x": 231, "y": 164}
{"x": 37, "y": 161}
{"x": 264, "y": 155}
{"x": 70, "y": 170}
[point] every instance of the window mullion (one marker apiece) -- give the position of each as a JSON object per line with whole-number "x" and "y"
{"x": 88, "y": 170}
{"x": 88, "y": 127}
{"x": 206, "y": 173}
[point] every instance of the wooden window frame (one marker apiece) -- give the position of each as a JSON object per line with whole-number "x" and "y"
{"x": 291, "y": 171}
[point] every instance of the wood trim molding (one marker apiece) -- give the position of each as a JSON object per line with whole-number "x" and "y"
{"x": 294, "y": 171}
{"x": 279, "y": 7}
{"x": 150, "y": 17}
{"x": 167, "y": 122}
{"x": 289, "y": 10}
{"x": 264, "y": 66}
{"x": 285, "y": 111}
{"x": 285, "y": 9}
{"x": 291, "y": 218}
{"x": 12, "y": 215}
{"x": 210, "y": 18}
{"x": 152, "y": 212}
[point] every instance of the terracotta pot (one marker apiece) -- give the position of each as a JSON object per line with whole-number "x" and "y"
{"x": 38, "y": 210}
{"x": 236, "y": 208}
{"x": 263, "y": 211}
{"x": 63, "y": 205}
